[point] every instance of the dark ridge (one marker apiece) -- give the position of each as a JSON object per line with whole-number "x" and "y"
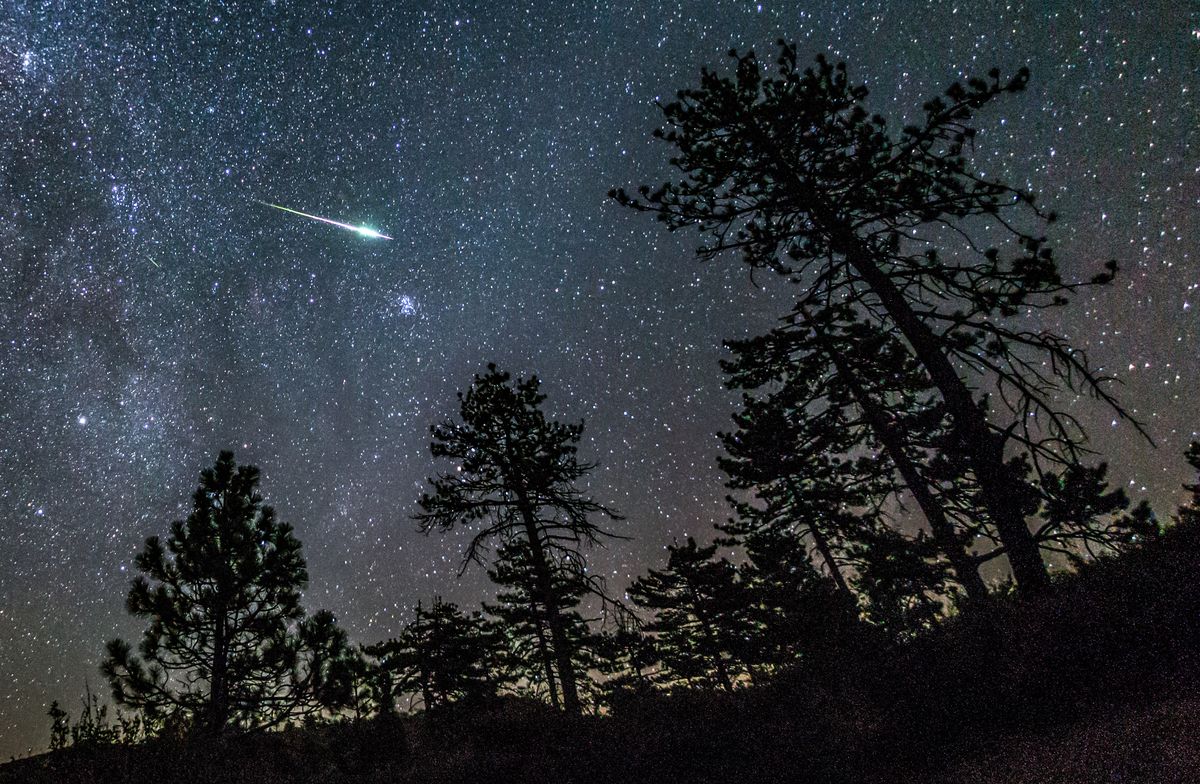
{"x": 1092, "y": 681}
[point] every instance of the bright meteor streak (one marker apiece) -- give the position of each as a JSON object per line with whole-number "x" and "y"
{"x": 363, "y": 230}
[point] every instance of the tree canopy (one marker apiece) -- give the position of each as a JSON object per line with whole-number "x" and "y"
{"x": 790, "y": 170}
{"x": 229, "y": 645}
{"x": 514, "y": 477}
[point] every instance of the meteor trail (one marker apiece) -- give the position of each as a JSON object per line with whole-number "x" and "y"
{"x": 363, "y": 230}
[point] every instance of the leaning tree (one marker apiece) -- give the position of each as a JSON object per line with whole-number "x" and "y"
{"x": 514, "y": 477}
{"x": 228, "y": 646}
{"x": 822, "y": 431}
{"x": 793, "y": 172}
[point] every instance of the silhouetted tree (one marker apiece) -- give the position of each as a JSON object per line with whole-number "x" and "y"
{"x": 790, "y": 610}
{"x": 829, "y": 430}
{"x": 804, "y": 496}
{"x": 699, "y": 619}
{"x": 1081, "y": 516}
{"x": 625, "y": 657}
{"x": 372, "y": 687}
{"x": 515, "y": 475}
{"x": 521, "y": 616}
{"x": 60, "y": 726}
{"x": 443, "y": 655}
{"x": 228, "y": 643}
{"x": 901, "y": 580}
{"x": 793, "y": 172}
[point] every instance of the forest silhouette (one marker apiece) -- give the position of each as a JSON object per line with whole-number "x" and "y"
{"x": 925, "y": 574}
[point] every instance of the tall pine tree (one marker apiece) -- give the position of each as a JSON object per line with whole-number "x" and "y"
{"x": 824, "y": 430}
{"x": 228, "y": 645}
{"x": 514, "y": 477}
{"x": 793, "y": 172}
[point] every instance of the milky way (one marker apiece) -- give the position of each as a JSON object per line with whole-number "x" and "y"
{"x": 151, "y": 315}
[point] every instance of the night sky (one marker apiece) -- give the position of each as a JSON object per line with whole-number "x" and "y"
{"x": 152, "y": 312}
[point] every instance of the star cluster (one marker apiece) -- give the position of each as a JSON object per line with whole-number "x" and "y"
{"x": 153, "y": 312}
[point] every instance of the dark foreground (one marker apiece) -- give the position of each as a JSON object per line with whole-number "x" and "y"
{"x": 1096, "y": 682}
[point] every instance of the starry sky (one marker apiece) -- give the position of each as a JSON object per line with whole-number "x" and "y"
{"x": 152, "y": 312}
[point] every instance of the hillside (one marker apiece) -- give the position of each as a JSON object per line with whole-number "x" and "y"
{"x": 1093, "y": 682}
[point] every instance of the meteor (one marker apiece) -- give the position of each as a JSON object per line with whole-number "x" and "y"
{"x": 362, "y": 230}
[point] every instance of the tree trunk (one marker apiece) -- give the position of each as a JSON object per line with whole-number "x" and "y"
{"x": 826, "y": 553}
{"x": 965, "y": 568}
{"x": 218, "y": 706}
{"x": 706, "y": 625}
{"x": 983, "y": 447}
{"x": 544, "y": 650}
{"x": 558, "y": 633}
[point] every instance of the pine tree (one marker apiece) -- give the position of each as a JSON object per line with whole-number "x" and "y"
{"x": 372, "y": 687}
{"x": 514, "y": 475}
{"x": 791, "y": 611}
{"x": 825, "y": 431}
{"x": 60, "y": 726}
{"x": 794, "y": 173}
{"x": 901, "y": 580}
{"x": 1081, "y": 517}
{"x": 228, "y": 645}
{"x": 699, "y": 620}
{"x": 625, "y": 656}
{"x": 443, "y": 655}
{"x": 790, "y": 491}
{"x": 521, "y": 615}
